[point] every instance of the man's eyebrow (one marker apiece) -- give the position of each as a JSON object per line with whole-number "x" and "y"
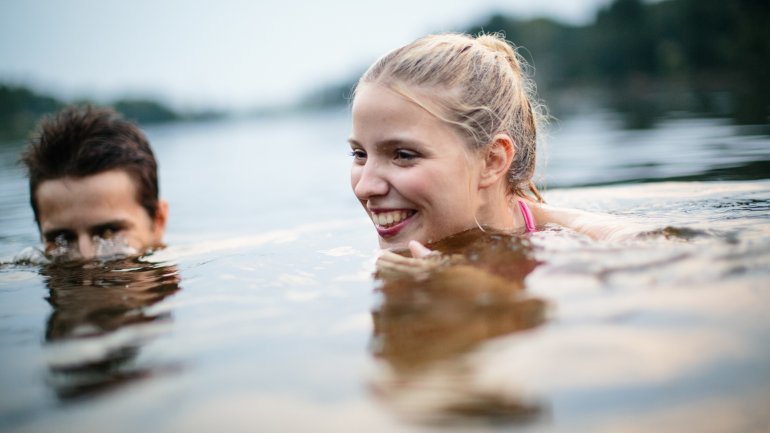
{"x": 119, "y": 223}
{"x": 54, "y": 233}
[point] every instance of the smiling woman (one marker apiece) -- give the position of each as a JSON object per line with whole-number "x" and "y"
{"x": 444, "y": 139}
{"x": 402, "y": 154}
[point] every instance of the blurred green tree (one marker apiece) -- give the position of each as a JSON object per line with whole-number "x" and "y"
{"x": 20, "y": 108}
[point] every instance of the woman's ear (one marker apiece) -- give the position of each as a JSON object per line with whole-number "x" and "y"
{"x": 497, "y": 159}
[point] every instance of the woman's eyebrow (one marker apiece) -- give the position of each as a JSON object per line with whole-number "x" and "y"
{"x": 387, "y": 143}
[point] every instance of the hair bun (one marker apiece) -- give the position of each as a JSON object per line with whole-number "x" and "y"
{"x": 496, "y": 43}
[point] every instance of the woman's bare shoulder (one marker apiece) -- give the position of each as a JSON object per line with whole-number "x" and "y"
{"x": 598, "y": 226}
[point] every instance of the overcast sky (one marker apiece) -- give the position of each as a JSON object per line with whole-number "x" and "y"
{"x": 228, "y": 53}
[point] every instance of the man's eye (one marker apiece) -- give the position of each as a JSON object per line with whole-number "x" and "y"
{"x": 59, "y": 245}
{"x": 62, "y": 240}
{"x": 358, "y": 154}
{"x": 108, "y": 232}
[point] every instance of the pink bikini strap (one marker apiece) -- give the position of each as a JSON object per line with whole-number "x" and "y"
{"x": 529, "y": 219}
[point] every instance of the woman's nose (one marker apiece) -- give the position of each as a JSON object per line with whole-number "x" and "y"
{"x": 368, "y": 181}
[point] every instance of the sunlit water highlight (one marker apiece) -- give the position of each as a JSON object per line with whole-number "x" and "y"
{"x": 262, "y": 314}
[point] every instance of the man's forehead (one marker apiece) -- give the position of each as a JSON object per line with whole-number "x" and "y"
{"x": 115, "y": 183}
{"x": 106, "y": 179}
{"x": 86, "y": 201}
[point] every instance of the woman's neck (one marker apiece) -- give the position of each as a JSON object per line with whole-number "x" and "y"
{"x": 501, "y": 212}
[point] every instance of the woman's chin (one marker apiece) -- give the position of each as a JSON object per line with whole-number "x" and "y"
{"x": 394, "y": 245}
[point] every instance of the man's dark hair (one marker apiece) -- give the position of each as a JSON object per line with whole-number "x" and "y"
{"x": 84, "y": 141}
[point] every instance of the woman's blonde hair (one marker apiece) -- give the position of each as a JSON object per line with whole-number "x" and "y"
{"x": 479, "y": 85}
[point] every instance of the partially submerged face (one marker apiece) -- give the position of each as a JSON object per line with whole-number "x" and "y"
{"x": 412, "y": 172}
{"x": 96, "y": 216}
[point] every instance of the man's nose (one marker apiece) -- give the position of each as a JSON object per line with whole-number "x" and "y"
{"x": 86, "y": 246}
{"x": 369, "y": 182}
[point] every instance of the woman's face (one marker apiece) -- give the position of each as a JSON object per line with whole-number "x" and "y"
{"x": 411, "y": 171}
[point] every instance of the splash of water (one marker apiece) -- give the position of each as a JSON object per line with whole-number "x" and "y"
{"x": 106, "y": 249}
{"x": 29, "y": 256}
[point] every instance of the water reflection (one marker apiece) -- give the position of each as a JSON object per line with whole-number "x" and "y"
{"x": 100, "y": 322}
{"x": 428, "y": 326}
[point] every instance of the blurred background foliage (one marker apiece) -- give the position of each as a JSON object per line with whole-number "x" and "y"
{"x": 21, "y": 108}
{"x": 646, "y": 60}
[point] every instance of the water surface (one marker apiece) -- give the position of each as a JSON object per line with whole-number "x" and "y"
{"x": 262, "y": 314}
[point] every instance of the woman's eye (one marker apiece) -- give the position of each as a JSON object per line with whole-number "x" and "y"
{"x": 405, "y": 155}
{"x": 358, "y": 154}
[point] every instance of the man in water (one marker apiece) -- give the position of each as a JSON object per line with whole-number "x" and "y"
{"x": 93, "y": 186}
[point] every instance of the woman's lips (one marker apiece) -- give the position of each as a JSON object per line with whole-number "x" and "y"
{"x": 390, "y": 222}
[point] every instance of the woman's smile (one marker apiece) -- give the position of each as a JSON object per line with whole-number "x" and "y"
{"x": 390, "y": 222}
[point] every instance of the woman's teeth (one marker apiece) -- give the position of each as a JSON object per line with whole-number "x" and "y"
{"x": 387, "y": 219}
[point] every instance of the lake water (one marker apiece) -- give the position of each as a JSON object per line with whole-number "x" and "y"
{"x": 263, "y": 315}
